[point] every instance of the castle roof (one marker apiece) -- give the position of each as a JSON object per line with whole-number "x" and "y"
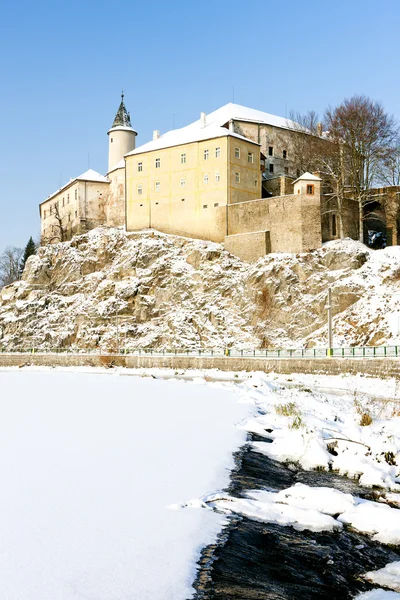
{"x": 195, "y": 132}
{"x": 122, "y": 118}
{"x": 308, "y": 177}
{"x": 216, "y": 126}
{"x": 89, "y": 175}
{"x": 237, "y": 112}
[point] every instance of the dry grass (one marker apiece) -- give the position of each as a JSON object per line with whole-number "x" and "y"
{"x": 290, "y": 409}
{"x": 365, "y": 420}
{"x": 107, "y": 361}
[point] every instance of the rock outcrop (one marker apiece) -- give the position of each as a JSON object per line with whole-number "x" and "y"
{"x": 109, "y": 289}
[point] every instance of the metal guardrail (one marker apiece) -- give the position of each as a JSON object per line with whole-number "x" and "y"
{"x": 352, "y": 352}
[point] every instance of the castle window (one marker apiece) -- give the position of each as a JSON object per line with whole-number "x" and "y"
{"x": 76, "y": 194}
{"x": 310, "y": 190}
{"x": 217, "y": 177}
{"x": 183, "y": 199}
{"x": 205, "y": 178}
{"x": 141, "y": 205}
{"x": 63, "y": 202}
{"x": 44, "y": 214}
{"x": 76, "y": 213}
{"x": 51, "y": 210}
{"x": 183, "y": 182}
{"x": 157, "y": 186}
{"x": 205, "y": 205}
{"x": 217, "y": 152}
{"x": 271, "y": 168}
{"x": 183, "y": 159}
{"x": 216, "y": 204}
{"x": 237, "y": 177}
{"x": 69, "y": 218}
{"x": 158, "y": 163}
{"x": 156, "y": 203}
{"x": 237, "y": 152}
{"x": 255, "y": 182}
{"x": 250, "y": 157}
{"x": 284, "y": 154}
{"x": 287, "y": 170}
{"x": 206, "y": 154}
{"x": 140, "y": 189}
{"x": 270, "y": 151}
{"x": 111, "y": 140}
{"x": 67, "y": 198}
{"x": 140, "y": 167}
{"x": 334, "y": 225}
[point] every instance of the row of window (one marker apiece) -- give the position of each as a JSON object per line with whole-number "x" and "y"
{"x": 60, "y": 217}
{"x": 216, "y": 204}
{"x": 63, "y": 204}
{"x": 271, "y": 152}
{"x": 206, "y": 179}
{"x": 206, "y": 156}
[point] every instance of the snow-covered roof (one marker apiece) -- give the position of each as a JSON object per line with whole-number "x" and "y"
{"x": 237, "y": 112}
{"x": 215, "y": 127}
{"x": 195, "y": 132}
{"x": 119, "y": 165}
{"x": 89, "y": 175}
{"x": 308, "y": 177}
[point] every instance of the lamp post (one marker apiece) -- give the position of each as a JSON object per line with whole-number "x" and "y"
{"x": 329, "y": 308}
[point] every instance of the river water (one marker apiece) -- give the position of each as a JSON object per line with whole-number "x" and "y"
{"x": 259, "y": 561}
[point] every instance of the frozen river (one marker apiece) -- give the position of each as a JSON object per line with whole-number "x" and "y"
{"x": 89, "y": 464}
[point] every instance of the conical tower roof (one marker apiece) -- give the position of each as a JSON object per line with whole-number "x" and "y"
{"x": 122, "y": 118}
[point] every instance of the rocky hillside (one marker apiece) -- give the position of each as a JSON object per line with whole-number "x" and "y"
{"x": 173, "y": 292}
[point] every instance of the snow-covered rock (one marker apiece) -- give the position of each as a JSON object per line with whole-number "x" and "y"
{"x": 171, "y": 291}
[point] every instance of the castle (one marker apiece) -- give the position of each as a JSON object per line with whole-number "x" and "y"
{"x": 229, "y": 177}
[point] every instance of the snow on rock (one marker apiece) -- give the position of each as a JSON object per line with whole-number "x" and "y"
{"x": 71, "y": 292}
{"x": 318, "y": 429}
{"x": 378, "y": 520}
{"x": 388, "y": 577}
{"x": 270, "y": 507}
{"x": 312, "y": 508}
{"x": 378, "y": 595}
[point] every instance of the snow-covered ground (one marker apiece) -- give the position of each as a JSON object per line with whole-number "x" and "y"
{"x": 89, "y": 464}
{"x": 93, "y": 464}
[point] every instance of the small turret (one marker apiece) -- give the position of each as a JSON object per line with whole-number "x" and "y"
{"x": 121, "y": 136}
{"x": 308, "y": 185}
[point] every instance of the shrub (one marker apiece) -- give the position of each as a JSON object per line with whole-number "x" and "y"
{"x": 365, "y": 420}
{"x": 290, "y": 409}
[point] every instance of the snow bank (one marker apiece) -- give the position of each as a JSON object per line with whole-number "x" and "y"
{"x": 388, "y": 577}
{"x": 88, "y": 465}
{"x": 319, "y": 429}
{"x": 378, "y": 595}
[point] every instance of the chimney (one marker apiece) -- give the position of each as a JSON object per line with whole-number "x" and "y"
{"x": 319, "y": 129}
{"x": 203, "y": 119}
{"x": 231, "y": 126}
{"x": 156, "y": 134}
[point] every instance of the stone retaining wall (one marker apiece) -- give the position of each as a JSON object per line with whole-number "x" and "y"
{"x": 374, "y": 367}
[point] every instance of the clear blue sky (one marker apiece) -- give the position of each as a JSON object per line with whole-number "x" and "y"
{"x": 63, "y": 65}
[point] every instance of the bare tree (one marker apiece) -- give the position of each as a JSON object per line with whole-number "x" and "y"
{"x": 10, "y": 262}
{"x": 306, "y": 145}
{"x": 365, "y": 131}
{"x": 59, "y": 222}
{"x": 314, "y": 150}
{"x": 389, "y": 169}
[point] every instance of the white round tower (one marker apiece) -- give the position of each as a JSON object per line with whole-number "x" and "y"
{"x": 121, "y": 136}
